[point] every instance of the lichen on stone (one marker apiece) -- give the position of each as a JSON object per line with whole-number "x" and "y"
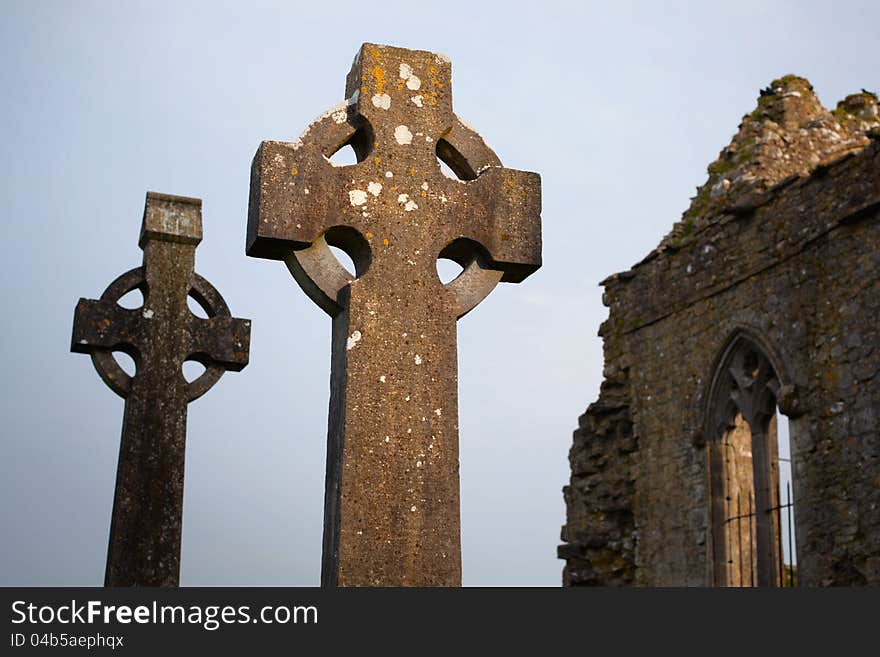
{"x": 788, "y": 133}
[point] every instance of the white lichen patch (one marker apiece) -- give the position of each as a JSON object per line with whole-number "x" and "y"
{"x": 418, "y": 464}
{"x": 403, "y": 198}
{"x": 417, "y": 100}
{"x": 340, "y": 116}
{"x": 382, "y": 101}
{"x": 357, "y": 197}
{"x": 374, "y": 188}
{"x": 486, "y": 167}
{"x": 332, "y": 112}
{"x": 402, "y": 135}
{"x": 418, "y": 359}
{"x": 442, "y": 197}
{"x": 382, "y": 379}
{"x": 438, "y": 412}
{"x": 410, "y": 205}
{"x": 305, "y": 190}
{"x": 149, "y": 313}
{"x": 413, "y": 508}
{"x": 425, "y": 186}
{"x": 413, "y": 83}
{"x": 388, "y": 174}
{"x": 353, "y": 339}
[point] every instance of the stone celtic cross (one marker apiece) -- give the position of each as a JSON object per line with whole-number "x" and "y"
{"x": 147, "y": 508}
{"x": 392, "y": 492}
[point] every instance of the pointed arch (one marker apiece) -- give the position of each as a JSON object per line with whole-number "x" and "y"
{"x": 741, "y": 435}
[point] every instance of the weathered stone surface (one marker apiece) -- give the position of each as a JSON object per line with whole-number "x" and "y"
{"x": 787, "y": 254}
{"x": 788, "y": 135}
{"x": 392, "y": 496}
{"x": 147, "y": 509}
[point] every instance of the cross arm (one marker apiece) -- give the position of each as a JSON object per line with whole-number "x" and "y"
{"x": 220, "y": 341}
{"x": 503, "y": 214}
{"x": 104, "y": 325}
{"x": 296, "y": 193}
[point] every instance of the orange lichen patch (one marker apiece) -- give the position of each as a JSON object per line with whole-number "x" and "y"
{"x": 412, "y": 171}
{"x": 424, "y": 194}
{"x": 378, "y": 75}
{"x": 434, "y": 79}
{"x": 294, "y": 170}
{"x": 368, "y": 235}
{"x": 377, "y": 160}
{"x": 385, "y": 242}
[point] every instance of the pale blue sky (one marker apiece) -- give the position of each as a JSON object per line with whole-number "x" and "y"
{"x": 619, "y": 106}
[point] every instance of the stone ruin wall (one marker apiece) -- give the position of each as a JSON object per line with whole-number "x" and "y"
{"x": 782, "y": 243}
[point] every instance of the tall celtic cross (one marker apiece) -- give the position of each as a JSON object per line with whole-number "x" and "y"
{"x": 392, "y": 491}
{"x": 148, "y": 505}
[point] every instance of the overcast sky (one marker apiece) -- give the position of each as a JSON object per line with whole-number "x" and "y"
{"x": 618, "y": 106}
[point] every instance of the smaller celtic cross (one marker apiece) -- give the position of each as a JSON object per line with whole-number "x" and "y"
{"x": 160, "y": 336}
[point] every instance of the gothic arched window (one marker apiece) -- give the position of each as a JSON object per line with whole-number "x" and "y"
{"x": 751, "y": 521}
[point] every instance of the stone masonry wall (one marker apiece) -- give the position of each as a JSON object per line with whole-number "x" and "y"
{"x": 791, "y": 258}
